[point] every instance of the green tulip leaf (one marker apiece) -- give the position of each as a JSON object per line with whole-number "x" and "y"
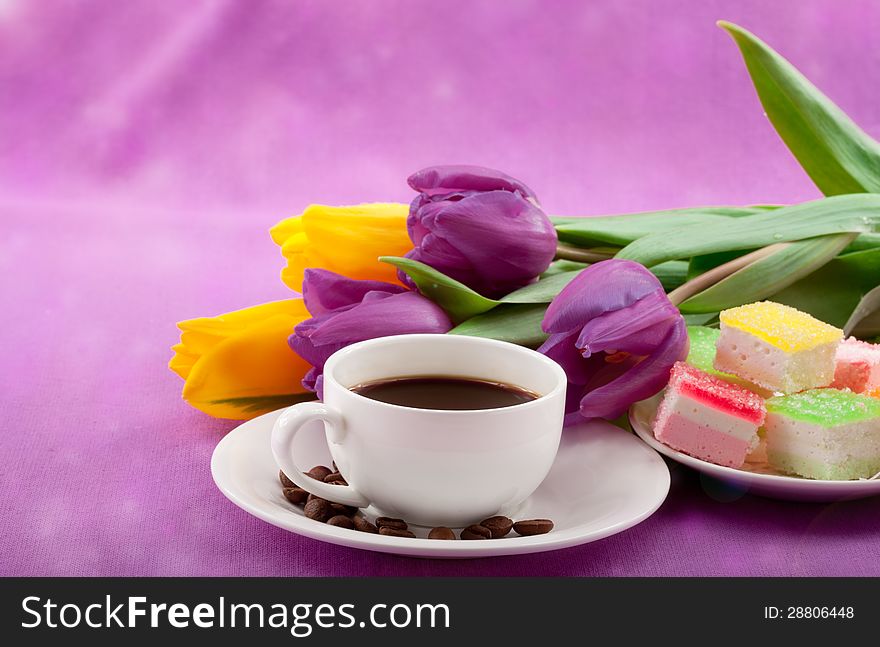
{"x": 863, "y": 242}
{"x": 458, "y": 300}
{"x": 542, "y": 291}
{"x": 863, "y": 318}
{"x": 263, "y": 403}
{"x": 561, "y": 266}
{"x": 833, "y": 292}
{"x": 838, "y": 155}
{"x": 671, "y": 274}
{"x": 708, "y": 319}
{"x": 621, "y": 230}
{"x": 857, "y": 213}
{"x": 767, "y": 276}
{"x": 515, "y": 323}
{"x": 705, "y": 262}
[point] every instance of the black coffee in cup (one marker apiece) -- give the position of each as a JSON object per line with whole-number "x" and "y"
{"x": 444, "y": 393}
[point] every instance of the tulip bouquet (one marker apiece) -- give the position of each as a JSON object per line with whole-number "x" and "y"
{"x": 607, "y": 297}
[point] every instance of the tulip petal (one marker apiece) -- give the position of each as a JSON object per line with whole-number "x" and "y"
{"x": 347, "y": 240}
{"x": 397, "y": 314}
{"x": 603, "y": 287}
{"x": 325, "y": 291}
{"x": 633, "y": 329}
{"x": 246, "y": 316}
{"x": 301, "y": 343}
{"x": 640, "y": 381}
{"x": 504, "y": 237}
{"x": 561, "y": 348}
{"x": 421, "y": 212}
{"x": 249, "y": 373}
{"x": 183, "y": 360}
{"x": 438, "y": 253}
{"x": 453, "y": 178}
{"x": 493, "y": 242}
{"x": 285, "y": 229}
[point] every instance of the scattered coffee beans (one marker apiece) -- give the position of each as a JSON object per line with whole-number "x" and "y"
{"x": 318, "y": 509}
{"x": 296, "y": 495}
{"x": 533, "y": 527}
{"x": 339, "y": 508}
{"x": 476, "y": 532}
{"x": 319, "y": 472}
{"x": 391, "y": 522}
{"x": 388, "y": 531}
{"x": 286, "y": 482}
{"x": 346, "y": 516}
{"x": 361, "y": 524}
{"x": 341, "y": 521}
{"x": 441, "y": 532}
{"x": 335, "y": 478}
{"x": 499, "y": 525}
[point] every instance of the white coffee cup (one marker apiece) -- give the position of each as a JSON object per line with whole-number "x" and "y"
{"x": 431, "y": 467}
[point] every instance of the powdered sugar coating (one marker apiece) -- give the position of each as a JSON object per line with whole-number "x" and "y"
{"x": 857, "y": 366}
{"x": 826, "y": 407}
{"x": 782, "y": 326}
{"x": 716, "y": 393}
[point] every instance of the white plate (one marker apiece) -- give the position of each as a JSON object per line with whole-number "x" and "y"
{"x": 755, "y": 477}
{"x": 603, "y": 481}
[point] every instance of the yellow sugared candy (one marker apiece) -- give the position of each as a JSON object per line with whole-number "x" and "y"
{"x": 777, "y": 347}
{"x": 782, "y": 326}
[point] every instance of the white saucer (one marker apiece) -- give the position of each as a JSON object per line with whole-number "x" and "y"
{"x": 755, "y": 477}
{"x": 603, "y": 481}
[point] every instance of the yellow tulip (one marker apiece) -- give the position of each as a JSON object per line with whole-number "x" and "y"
{"x": 345, "y": 240}
{"x": 238, "y": 365}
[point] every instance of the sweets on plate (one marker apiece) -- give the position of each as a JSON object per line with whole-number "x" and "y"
{"x": 777, "y": 347}
{"x": 708, "y": 418}
{"x": 701, "y": 353}
{"x": 857, "y": 366}
{"x": 702, "y": 356}
{"x": 824, "y": 434}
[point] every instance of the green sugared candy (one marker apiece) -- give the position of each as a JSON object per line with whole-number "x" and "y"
{"x": 702, "y": 356}
{"x": 702, "y": 352}
{"x": 826, "y": 407}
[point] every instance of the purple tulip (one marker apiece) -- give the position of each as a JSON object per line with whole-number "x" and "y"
{"x": 345, "y": 311}
{"x": 616, "y": 334}
{"x": 480, "y": 227}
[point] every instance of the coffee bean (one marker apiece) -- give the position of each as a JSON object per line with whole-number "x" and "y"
{"x": 286, "y": 482}
{"x": 361, "y": 523}
{"x": 441, "y": 532}
{"x": 476, "y": 532}
{"x": 499, "y": 525}
{"x": 318, "y": 509}
{"x": 530, "y": 527}
{"x": 296, "y": 495}
{"x": 341, "y": 521}
{"x": 388, "y": 531}
{"x": 391, "y": 522}
{"x": 335, "y": 478}
{"x": 319, "y": 472}
{"x": 345, "y": 510}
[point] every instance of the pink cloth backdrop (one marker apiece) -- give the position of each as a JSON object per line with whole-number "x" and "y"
{"x": 146, "y": 147}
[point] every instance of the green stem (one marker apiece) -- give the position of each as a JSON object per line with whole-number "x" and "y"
{"x": 593, "y": 255}
{"x": 716, "y": 274}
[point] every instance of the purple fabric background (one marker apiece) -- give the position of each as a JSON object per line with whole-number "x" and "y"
{"x": 145, "y": 149}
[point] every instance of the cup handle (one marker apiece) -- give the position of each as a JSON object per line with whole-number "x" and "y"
{"x": 287, "y": 426}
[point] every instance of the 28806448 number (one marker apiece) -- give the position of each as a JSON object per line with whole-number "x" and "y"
{"x": 822, "y": 613}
